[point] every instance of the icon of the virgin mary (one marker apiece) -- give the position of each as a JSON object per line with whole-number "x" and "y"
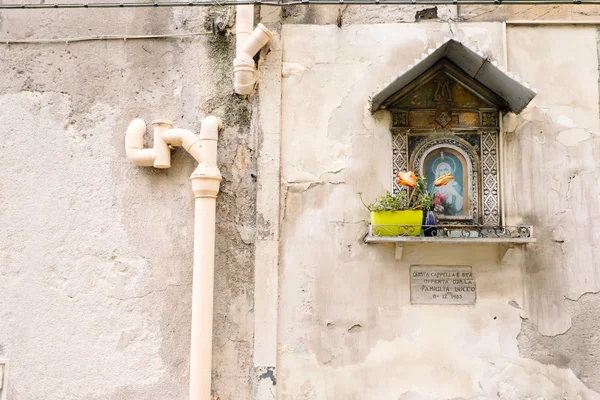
{"x": 446, "y": 163}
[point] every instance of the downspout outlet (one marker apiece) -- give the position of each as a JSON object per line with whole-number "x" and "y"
{"x": 244, "y": 75}
{"x": 257, "y": 40}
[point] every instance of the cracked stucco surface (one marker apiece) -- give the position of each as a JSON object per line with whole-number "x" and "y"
{"x": 554, "y": 142}
{"x": 523, "y": 12}
{"x": 95, "y": 253}
{"x": 576, "y": 349}
{"x": 346, "y": 326}
{"x": 364, "y": 14}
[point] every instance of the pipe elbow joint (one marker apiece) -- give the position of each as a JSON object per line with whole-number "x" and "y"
{"x": 244, "y": 75}
{"x": 134, "y": 145}
{"x": 134, "y": 138}
{"x": 248, "y": 43}
{"x": 244, "y": 68}
{"x": 189, "y": 139}
{"x": 211, "y": 126}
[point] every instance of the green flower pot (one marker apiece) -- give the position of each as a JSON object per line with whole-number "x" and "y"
{"x": 387, "y": 223}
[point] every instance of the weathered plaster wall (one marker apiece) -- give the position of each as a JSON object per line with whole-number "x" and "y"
{"x": 556, "y": 142}
{"x": 95, "y": 256}
{"x": 346, "y": 326}
{"x": 363, "y": 14}
{"x": 95, "y": 253}
{"x": 266, "y": 277}
{"x": 523, "y": 12}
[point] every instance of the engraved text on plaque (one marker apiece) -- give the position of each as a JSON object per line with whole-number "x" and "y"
{"x": 436, "y": 284}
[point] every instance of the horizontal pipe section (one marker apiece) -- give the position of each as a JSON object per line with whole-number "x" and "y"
{"x": 103, "y": 37}
{"x": 287, "y": 3}
{"x": 184, "y": 138}
{"x": 159, "y": 156}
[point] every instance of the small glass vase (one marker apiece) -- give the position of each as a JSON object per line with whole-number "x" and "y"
{"x": 429, "y": 220}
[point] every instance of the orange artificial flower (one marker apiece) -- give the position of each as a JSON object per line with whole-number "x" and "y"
{"x": 407, "y": 179}
{"x": 442, "y": 180}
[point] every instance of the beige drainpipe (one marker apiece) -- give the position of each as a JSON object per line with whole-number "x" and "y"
{"x": 248, "y": 43}
{"x": 205, "y": 185}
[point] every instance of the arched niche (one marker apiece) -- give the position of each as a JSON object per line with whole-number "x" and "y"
{"x": 442, "y": 154}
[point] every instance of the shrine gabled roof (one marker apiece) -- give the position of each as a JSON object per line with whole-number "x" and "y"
{"x": 507, "y": 86}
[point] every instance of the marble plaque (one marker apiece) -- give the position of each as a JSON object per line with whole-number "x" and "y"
{"x": 438, "y": 284}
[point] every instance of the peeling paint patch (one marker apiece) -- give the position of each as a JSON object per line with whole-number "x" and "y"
{"x": 265, "y": 383}
{"x": 269, "y": 374}
{"x": 426, "y": 13}
{"x": 572, "y": 137}
{"x": 514, "y": 304}
{"x": 565, "y": 121}
{"x": 292, "y": 69}
{"x": 576, "y": 349}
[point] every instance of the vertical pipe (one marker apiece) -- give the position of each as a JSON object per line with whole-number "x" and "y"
{"x": 163, "y": 153}
{"x": 248, "y": 43}
{"x": 205, "y": 185}
{"x": 202, "y": 298}
{"x": 244, "y": 24}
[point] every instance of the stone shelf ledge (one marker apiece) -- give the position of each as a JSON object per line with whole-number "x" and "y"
{"x": 466, "y": 236}
{"x": 443, "y": 239}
